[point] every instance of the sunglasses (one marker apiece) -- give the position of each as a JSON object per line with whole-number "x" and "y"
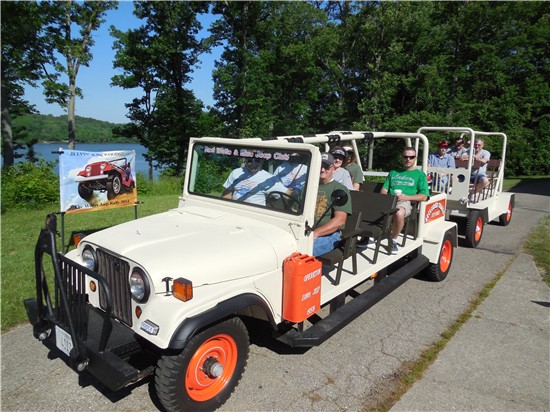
{"x": 409, "y": 157}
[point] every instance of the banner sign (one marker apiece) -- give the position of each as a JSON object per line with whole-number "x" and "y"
{"x": 97, "y": 180}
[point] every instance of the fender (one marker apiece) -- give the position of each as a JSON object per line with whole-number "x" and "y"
{"x": 190, "y": 326}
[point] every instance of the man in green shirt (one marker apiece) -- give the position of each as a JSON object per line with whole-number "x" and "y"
{"x": 328, "y": 233}
{"x": 413, "y": 185}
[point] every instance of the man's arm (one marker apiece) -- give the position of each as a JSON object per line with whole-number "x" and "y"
{"x": 334, "y": 224}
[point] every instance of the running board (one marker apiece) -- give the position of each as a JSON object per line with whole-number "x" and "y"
{"x": 332, "y": 323}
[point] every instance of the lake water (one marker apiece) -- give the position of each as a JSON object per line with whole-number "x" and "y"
{"x": 48, "y": 151}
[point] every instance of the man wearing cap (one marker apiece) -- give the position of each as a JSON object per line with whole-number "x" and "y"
{"x": 441, "y": 158}
{"x": 458, "y": 149}
{"x": 341, "y": 175}
{"x": 328, "y": 233}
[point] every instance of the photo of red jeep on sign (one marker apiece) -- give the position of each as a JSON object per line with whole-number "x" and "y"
{"x": 114, "y": 177}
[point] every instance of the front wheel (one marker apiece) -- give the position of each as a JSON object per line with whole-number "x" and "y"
{"x": 505, "y": 218}
{"x": 205, "y": 373}
{"x": 474, "y": 228}
{"x": 438, "y": 271}
{"x": 114, "y": 186}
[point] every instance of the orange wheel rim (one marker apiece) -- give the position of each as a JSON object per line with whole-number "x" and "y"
{"x": 199, "y": 383}
{"x": 509, "y": 214}
{"x": 479, "y": 228}
{"x": 446, "y": 256}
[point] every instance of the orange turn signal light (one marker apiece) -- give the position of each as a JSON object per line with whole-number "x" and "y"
{"x": 77, "y": 237}
{"x": 93, "y": 286}
{"x": 182, "y": 289}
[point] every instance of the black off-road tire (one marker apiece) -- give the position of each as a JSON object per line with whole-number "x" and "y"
{"x": 84, "y": 192}
{"x": 505, "y": 218}
{"x": 181, "y": 382}
{"x": 114, "y": 186}
{"x": 437, "y": 272}
{"x": 474, "y": 228}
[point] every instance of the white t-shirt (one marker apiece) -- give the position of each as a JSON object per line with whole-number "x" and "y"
{"x": 293, "y": 176}
{"x": 252, "y": 188}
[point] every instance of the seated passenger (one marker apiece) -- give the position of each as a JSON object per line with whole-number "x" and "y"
{"x": 413, "y": 184}
{"x": 479, "y": 176}
{"x": 328, "y": 233}
{"x": 441, "y": 158}
{"x": 251, "y": 183}
{"x": 341, "y": 175}
{"x": 357, "y": 177}
{"x": 458, "y": 150}
{"x": 292, "y": 174}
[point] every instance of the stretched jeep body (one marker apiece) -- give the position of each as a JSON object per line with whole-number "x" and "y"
{"x": 172, "y": 292}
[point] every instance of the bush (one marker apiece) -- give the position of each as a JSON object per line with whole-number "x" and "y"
{"x": 29, "y": 185}
{"x": 164, "y": 185}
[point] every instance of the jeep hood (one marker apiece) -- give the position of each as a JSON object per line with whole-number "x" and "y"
{"x": 205, "y": 246}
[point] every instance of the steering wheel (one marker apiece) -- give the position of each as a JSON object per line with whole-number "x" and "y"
{"x": 275, "y": 199}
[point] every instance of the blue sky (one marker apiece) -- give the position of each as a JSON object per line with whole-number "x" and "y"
{"x": 104, "y": 102}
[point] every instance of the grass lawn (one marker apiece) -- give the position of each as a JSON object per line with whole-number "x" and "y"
{"x": 20, "y": 230}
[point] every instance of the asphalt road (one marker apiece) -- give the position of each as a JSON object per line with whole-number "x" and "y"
{"x": 347, "y": 372}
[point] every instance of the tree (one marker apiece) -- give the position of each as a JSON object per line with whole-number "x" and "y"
{"x": 60, "y": 22}
{"x": 21, "y": 63}
{"x": 158, "y": 57}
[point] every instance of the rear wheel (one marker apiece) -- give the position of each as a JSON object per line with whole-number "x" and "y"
{"x": 474, "y": 228}
{"x": 205, "y": 373}
{"x": 505, "y": 218}
{"x": 438, "y": 271}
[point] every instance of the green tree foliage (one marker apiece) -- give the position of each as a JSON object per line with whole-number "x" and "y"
{"x": 158, "y": 57}
{"x": 48, "y": 128}
{"x": 22, "y": 58}
{"x": 29, "y": 185}
{"x": 61, "y": 21}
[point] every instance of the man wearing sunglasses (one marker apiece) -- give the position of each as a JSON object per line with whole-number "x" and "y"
{"x": 413, "y": 186}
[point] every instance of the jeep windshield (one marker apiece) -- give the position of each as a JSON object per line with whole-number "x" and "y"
{"x": 266, "y": 178}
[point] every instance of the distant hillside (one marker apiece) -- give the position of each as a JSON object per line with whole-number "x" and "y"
{"x": 48, "y": 128}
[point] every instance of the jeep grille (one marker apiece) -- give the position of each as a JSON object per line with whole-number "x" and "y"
{"x": 116, "y": 272}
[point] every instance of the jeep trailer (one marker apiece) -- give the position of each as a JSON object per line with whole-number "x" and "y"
{"x": 174, "y": 298}
{"x": 463, "y": 203}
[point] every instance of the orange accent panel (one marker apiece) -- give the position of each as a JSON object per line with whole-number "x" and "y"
{"x": 435, "y": 210}
{"x": 301, "y": 287}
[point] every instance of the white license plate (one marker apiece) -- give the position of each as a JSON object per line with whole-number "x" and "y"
{"x": 63, "y": 340}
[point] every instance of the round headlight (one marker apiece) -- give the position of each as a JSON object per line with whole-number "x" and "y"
{"x": 139, "y": 286}
{"x": 88, "y": 258}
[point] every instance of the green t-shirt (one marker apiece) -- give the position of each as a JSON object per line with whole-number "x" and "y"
{"x": 323, "y": 201}
{"x": 356, "y": 173}
{"x": 411, "y": 182}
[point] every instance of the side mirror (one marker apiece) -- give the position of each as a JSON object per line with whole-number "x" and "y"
{"x": 338, "y": 198}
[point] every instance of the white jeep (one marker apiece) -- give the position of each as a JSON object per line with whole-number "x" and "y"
{"x": 174, "y": 297}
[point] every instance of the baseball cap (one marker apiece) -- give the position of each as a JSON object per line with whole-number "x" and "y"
{"x": 327, "y": 159}
{"x": 338, "y": 152}
{"x": 444, "y": 144}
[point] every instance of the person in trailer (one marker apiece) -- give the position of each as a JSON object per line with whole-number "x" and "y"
{"x": 408, "y": 184}
{"x": 357, "y": 177}
{"x": 328, "y": 233}
{"x": 441, "y": 158}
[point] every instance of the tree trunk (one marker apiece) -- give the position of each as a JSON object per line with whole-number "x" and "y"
{"x": 7, "y": 134}
{"x": 71, "y": 127}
